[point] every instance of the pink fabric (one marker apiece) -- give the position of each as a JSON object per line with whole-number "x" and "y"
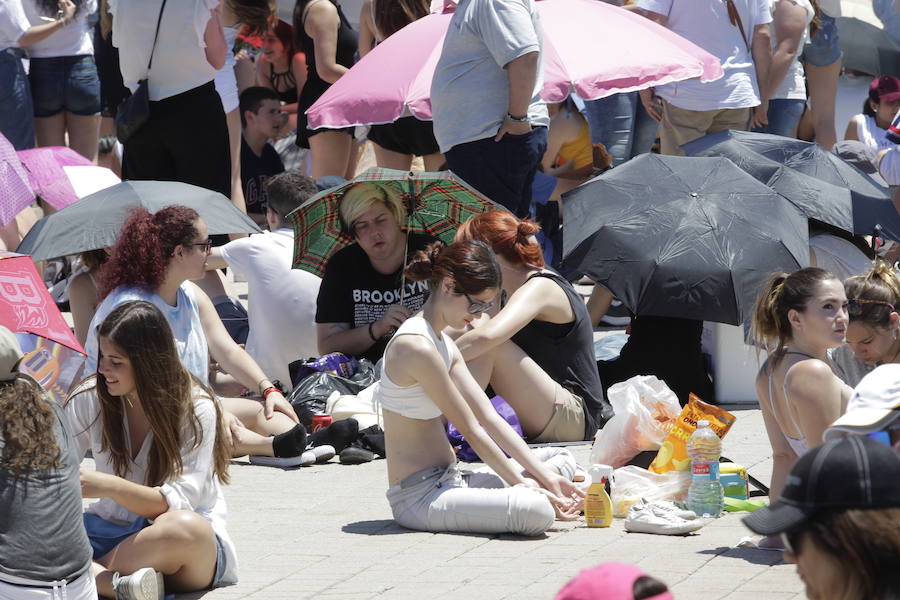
{"x": 590, "y": 47}
{"x": 609, "y": 581}
{"x": 46, "y": 174}
{"x": 15, "y": 191}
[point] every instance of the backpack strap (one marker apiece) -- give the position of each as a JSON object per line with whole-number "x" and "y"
{"x": 735, "y": 17}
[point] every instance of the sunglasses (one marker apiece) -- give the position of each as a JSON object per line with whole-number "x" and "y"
{"x": 475, "y": 306}
{"x": 855, "y": 305}
{"x": 207, "y": 245}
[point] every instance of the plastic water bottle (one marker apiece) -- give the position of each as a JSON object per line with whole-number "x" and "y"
{"x": 705, "y": 496}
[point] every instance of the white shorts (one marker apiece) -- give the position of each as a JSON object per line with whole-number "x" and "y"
{"x": 82, "y": 588}
{"x": 226, "y": 85}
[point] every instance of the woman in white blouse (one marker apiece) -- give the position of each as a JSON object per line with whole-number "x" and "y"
{"x": 159, "y": 444}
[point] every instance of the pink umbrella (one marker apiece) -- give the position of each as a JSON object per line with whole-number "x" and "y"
{"x": 590, "y": 47}
{"x": 48, "y": 177}
{"x": 15, "y": 192}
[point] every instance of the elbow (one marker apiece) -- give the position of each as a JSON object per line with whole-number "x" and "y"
{"x": 216, "y": 60}
{"x": 328, "y": 73}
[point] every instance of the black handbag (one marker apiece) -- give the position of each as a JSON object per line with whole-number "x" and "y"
{"x": 134, "y": 111}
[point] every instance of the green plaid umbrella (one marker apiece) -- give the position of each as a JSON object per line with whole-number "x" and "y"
{"x": 436, "y": 204}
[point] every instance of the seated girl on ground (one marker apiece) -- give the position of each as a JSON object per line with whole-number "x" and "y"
{"x": 538, "y": 350}
{"x": 159, "y": 444}
{"x": 797, "y": 318}
{"x": 425, "y": 379}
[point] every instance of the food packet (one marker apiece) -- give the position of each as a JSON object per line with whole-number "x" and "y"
{"x": 672, "y": 454}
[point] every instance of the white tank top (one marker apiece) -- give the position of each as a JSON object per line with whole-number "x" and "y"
{"x": 870, "y": 134}
{"x": 411, "y": 401}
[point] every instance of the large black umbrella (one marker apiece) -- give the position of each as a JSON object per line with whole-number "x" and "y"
{"x": 867, "y": 48}
{"x": 820, "y": 183}
{"x": 94, "y": 221}
{"x": 682, "y": 237}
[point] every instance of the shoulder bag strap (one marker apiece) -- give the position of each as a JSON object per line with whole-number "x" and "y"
{"x": 156, "y": 36}
{"x": 735, "y": 17}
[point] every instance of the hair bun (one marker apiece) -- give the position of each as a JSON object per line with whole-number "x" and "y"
{"x": 525, "y": 230}
{"x": 421, "y": 265}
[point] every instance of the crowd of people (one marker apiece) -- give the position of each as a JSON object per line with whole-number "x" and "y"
{"x": 180, "y": 377}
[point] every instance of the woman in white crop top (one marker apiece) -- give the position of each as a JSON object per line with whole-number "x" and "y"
{"x": 797, "y": 318}
{"x": 425, "y": 379}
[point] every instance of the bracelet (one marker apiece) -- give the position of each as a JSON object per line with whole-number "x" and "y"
{"x": 522, "y": 119}
{"x": 372, "y": 333}
{"x": 269, "y": 390}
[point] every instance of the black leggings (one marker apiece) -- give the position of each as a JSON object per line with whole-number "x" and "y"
{"x": 185, "y": 139}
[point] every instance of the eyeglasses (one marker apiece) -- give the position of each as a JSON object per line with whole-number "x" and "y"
{"x": 207, "y": 245}
{"x": 855, "y": 305}
{"x": 475, "y": 306}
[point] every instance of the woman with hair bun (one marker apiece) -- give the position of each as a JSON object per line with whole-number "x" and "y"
{"x": 154, "y": 259}
{"x": 797, "y": 318}
{"x": 873, "y": 335}
{"x": 424, "y": 380}
{"x": 538, "y": 350}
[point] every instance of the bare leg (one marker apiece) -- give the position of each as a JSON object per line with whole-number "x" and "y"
{"x": 84, "y": 135}
{"x": 51, "y": 131}
{"x": 598, "y": 303}
{"x": 434, "y": 162}
{"x": 823, "y": 83}
{"x": 111, "y": 159}
{"x": 180, "y": 544}
{"x": 522, "y": 383}
{"x": 255, "y": 439}
{"x": 330, "y": 153}
{"x": 388, "y": 159}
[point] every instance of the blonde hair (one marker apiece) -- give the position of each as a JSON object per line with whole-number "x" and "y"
{"x": 362, "y": 196}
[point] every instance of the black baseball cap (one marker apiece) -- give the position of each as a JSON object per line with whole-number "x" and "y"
{"x": 852, "y": 472}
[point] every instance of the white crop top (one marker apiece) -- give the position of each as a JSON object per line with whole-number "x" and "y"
{"x": 411, "y": 401}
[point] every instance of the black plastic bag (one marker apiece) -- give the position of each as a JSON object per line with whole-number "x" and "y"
{"x": 310, "y": 394}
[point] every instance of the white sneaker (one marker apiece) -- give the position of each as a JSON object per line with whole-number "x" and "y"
{"x": 319, "y": 454}
{"x": 664, "y": 507}
{"x": 276, "y": 461}
{"x": 143, "y": 584}
{"x": 642, "y": 519}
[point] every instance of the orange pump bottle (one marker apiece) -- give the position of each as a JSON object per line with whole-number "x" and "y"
{"x": 598, "y": 510}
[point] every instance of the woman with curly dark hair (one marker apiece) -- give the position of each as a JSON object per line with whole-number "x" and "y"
{"x": 40, "y": 490}
{"x": 159, "y": 443}
{"x": 155, "y": 258}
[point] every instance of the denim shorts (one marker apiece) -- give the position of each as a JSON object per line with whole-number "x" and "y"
{"x": 824, "y": 48}
{"x": 65, "y": 83}
{"x": 16, "y": 112}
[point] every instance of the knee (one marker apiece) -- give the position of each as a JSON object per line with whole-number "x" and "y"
{"x": 531, "y": 512}
{"x": 184, "y": 527}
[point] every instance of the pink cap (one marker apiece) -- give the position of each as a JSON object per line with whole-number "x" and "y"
{"x": 884, "y": 88}
{"x": 609, "y": 581}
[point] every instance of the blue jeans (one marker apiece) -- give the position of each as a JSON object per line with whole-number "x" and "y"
{"x": 784, "y": 114}
{"x": 503, "y": 171}
{"x": 16, "y": 109}
{"x": 824, "y": 48}
{"x": 620, "y": 123}
{"x": 65, "y": 83}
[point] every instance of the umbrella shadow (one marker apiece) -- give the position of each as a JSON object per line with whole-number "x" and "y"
{"x": 750, "y": 555}
{"x": 376, "y": 527}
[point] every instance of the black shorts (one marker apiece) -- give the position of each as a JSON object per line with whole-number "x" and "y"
{"x": 408, "y": 135}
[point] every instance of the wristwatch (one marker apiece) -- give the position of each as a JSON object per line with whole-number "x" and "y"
{"x": 522, "y": 119}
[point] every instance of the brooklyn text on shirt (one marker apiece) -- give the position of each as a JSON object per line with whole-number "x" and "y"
{"x": 389, "y": 296}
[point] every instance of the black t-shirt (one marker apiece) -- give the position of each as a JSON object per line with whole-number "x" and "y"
{"x": 353, "y": 292}
{"x": 255, "y": 170}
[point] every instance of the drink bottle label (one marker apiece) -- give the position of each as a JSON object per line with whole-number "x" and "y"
{"x": 705, "y": 470}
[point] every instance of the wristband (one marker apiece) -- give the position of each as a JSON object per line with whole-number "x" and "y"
{"x": 269, "y": 390}
{"x": 372, "y": 333}
{"x": 522, "y": 119}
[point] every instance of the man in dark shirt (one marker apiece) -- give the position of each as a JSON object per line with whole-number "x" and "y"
{"x": 261, "y": 119}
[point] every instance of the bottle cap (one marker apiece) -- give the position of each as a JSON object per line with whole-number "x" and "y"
{"x": 599, "y": 472}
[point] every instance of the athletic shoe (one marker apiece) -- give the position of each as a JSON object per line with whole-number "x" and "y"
{"x": 277, "y": 461}
{"x": 617, "y": 315}
{"x": 642, "y": 519}
{"x": 319, "y": 454}
{"x": 143, "y": 584}
{"x": 664, "y": 507}
{"x": 355, "y": 456}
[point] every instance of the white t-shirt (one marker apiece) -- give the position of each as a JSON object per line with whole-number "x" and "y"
{"x": 706, "y": 24}
{"x": 13, "y": 23}
{"x": 75, "y": 39}
{"x": 870, "y": 134}
{"x": 889, "y": 167}
{"x": 179, "y": 61}
{"x": 793, "y": 86}
{"x": 282, "y": 301}
{"x": 196, "y": 489}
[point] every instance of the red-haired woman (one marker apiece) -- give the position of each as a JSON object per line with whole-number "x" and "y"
{"x": 155, "y": 258}
{"x": 282, "y": 68}
{"x": 538, "y": 350}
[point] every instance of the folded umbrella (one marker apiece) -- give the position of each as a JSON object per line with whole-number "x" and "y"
{"x": 867, "y": 48}
{"x": 436, "y": 205}
{"x": 15, "y": 190}
{"x": 693, "y": 238}
{"x": 820, "y": 183}
{"x": 95, "y": 221}
{"x": 582, "y": 53}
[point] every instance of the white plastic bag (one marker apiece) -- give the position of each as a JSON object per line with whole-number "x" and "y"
{"x": 645, "y": 410}
{"x": 632, "y": 483}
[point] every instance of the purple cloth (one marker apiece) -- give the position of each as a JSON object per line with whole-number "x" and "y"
{"x": 464, "y": 451}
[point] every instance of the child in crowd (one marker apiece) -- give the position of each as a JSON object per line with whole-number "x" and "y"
{"x": 425, "y": 380}
{"x": 40, "y": 490}
{"x": 261, "y": 118}
{"x": 157, "y": 437}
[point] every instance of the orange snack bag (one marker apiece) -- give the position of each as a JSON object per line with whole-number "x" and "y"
{"x": 673, "y": 452}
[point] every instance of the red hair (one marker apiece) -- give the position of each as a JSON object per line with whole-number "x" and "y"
{"x": 144, "y": 247}
{"x": 509, "y": 236}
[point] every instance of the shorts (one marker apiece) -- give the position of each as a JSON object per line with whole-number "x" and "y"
{"x": 568, "y": 421}
{"x": 16, "y": 110}
{"x": 226, "y": 86}
{"x": 408, "y": 135}
{"x": 17, "y": 588}
{"x": 235, "y": 318}
{"x": 65, "y": 83}
{"x": 824, "y": 48}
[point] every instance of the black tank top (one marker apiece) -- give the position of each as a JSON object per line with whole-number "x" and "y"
{"x": 315, "y": 86}
{"x": 566, "y": 352}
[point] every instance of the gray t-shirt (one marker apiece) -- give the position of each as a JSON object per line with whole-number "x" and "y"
{"x": 42, "y": 533}
{"x": 470, "y": 88}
